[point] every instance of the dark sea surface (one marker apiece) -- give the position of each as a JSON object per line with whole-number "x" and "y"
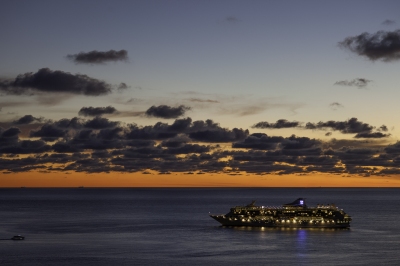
{"x": 172, "y": 227}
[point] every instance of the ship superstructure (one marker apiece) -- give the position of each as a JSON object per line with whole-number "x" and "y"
{"x": 295, "y": 214}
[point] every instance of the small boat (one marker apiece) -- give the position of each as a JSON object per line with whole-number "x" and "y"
{"x": 18, "y": 237}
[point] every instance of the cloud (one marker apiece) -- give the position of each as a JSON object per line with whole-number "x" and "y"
{"x": 358, "y": 82}
{"x": 202, "y": 100}
{"x": 259, "y": 141}
{"x": 122, "y": 86}
{"x": 335, "y": 105}
{"x": 346, "y": 127}
{"x": 351, "y": 126}
{"x": 27, "y": 119}
{"x": 97, "y": 57}
{"x": 281, "y": 123}
{"x": 97, "y": 111}
{"x": 371, "y": 135}
{"x": 167, "y": 112}
{"x": 232, "y": 19}
{"x": 383, "y": 128}
{"x": 48, "y": 81}
{"x": 49, "y": 132}
{"x": 382, "y": 45}
{"x": 100, "y": 123}
{"x": 219, "y": 135}
{"x": 10, "y": 133}
{"x": 388, "y": 22}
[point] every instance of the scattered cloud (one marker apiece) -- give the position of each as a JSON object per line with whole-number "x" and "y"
{"x": 382, "y": 45}
{"x": 389, "y": 22}
{"x": 335, "y": 105}
{"x": 97, "y": 111}
{"x": 383, "y": 128}
{"x": 49, "y": 81}
{"x": 358, "y": 82}
{"x": 98, "y": 57}
{"x": 122, "y": 86}
{"x": 202, "y": 100}
{"x": 232, "y": 19}
{"x": 351, "y": 126}
{"x": 167, "y": 112}
{"x": 281, "y": 123}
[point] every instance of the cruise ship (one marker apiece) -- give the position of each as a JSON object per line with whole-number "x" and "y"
{"x": 296, "y": 215}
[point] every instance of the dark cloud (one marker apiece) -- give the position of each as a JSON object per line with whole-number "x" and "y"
{"x": 73, "y": 123}
{"x": 188, "y": 148}
{"x": 219, "y": 135}
{"x": 358, "y": 82}
{"x": 371, "y": 135}
{"x": 11, "y": 144}
{"x": 8, "y": 138}
{"x": 259, "y": 141}
{"x": 180, "y": 125}
{"x": 393, "y": 149}
{"x": 27, "y": 119}
{"x": 164, "y": 111}
{"x": 97, "y": 57}
{"x": 97, "y": 111}
{"x": 351, "y": 126}
{"x": 48, "y": 81}
{"x": 382, "y": 45}
{"x": 100, "y": 123}
{"x": 346, "y": 127}
{"x": 294, "y": 142}
{"x": 49, "y": 132}
{"x": 28, "y": 146}
{"x": 159, "y": 131}
{"x": 175, "y": 142}
{"x": 281, "y": 123}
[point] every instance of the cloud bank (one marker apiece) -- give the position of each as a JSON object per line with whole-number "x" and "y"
{"x": 100, "y": 145}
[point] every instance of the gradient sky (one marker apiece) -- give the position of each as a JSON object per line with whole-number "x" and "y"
{"x": 294, "y": 89}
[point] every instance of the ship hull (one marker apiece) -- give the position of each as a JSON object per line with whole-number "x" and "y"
{"x": 298, "y": 224}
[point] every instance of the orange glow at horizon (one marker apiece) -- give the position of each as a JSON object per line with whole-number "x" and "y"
{"x": 61, "y": 179}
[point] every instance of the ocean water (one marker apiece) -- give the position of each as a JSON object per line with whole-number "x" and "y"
{"x": 172, "y": 227}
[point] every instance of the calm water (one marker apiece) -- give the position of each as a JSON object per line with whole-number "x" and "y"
{"x": 172, "y": 227}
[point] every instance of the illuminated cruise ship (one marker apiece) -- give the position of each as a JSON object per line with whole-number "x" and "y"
{"x": 296, "y": 214}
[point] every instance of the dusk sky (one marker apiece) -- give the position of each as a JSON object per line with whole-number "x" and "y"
{"x": 199, "y": 93}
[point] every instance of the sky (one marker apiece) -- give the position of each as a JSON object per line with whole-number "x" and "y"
{"x": 199, "y": 93}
